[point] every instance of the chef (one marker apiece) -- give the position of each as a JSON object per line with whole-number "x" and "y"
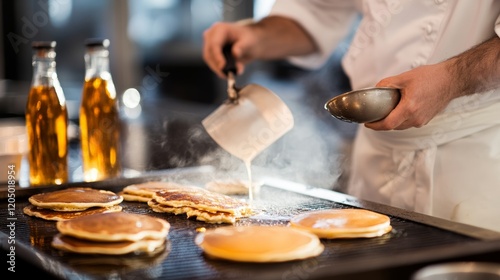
{"x": 438, "y": 151}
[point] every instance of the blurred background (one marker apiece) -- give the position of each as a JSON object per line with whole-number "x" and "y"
{"x": 164, "y": 87}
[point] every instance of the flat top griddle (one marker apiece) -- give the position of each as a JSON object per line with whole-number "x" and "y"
{"x": 415, "y": 239}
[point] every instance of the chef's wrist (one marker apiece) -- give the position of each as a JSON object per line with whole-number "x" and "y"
{"x": 476, "y": 70}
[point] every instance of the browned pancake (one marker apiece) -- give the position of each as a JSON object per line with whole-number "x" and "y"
{"x": 205, "y": 205}
{"x": 118, "y": 226}
{"x": 203, "y": 200}
{"x": 52, "y": 215}
{"x": 200, "y": 215}
{"x": 75, "y": 199}
{"x": 144, "y": 191}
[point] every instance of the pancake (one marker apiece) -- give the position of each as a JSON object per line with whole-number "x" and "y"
{"x": 207, "y": 206}
{"x": 51, "y": 215}
{"x": 144, "y": 191}
{"x": 259, "y": 244}
{"x": 343, "y": 223}
{"x": 75, "y": 199}
{"x": 117, "y": 226}
{"x": 203, "y": 200}
{"x": 83, "y": 246}
{"x": 204, "y": 216}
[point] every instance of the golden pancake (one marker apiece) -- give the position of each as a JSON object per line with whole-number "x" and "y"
{"x": 75, "y": 199}
{"x": 259, "y": 243}
{"x": 203, "y": 200}
{"x": 52, "y": 215}
{"x": 157, "y": 207}
{"x": 214, "y": 218}
{"x": 83, "y": 246}
{"x": 209, "y": 217}
{"x": 343, "y": 223}
{"x": 205, "y": 205}
{"x": 118, "y": 226}
{"x": 144, "y": 191}
{"x": 132, "y": 197}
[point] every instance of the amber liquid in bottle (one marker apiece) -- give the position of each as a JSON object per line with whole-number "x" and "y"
{"x": 100, "y": 131}
{"x": 99, "y": 121}
{"x": 47, "y": 124}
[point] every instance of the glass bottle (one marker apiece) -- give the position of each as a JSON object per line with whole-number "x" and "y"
{"x": 46, "y": 120}
{"x": 99, "y": 116}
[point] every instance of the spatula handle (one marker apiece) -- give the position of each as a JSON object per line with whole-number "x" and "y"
{"x": 230, "y": 61}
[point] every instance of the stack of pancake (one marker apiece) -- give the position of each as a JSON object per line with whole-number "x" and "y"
{"x": 70, "y": 203}
{"x": 207, "y": 206}
{"x": 112, "y": 234}
{"x": 259, "y": 243}
{"x": 143, "y": 192}
{"x": 175, "y": 198}
{"x": 343, "y": 223}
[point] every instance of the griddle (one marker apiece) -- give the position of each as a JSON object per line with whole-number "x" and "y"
{"x": 416, "y": 240}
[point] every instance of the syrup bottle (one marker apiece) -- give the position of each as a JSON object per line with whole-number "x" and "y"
{"x": 46, "y": 120}
{"x": 99, "y": 116}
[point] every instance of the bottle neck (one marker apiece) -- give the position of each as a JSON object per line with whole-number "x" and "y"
{"x": 44, "y": 71}
{"x": 97, "y": 63}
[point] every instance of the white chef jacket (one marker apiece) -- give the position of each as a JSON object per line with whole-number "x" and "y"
{"x": 449, "y": 168}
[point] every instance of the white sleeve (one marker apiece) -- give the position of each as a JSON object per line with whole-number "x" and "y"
{"x": 497, "y": 26}
{"x": 326, "y": 21}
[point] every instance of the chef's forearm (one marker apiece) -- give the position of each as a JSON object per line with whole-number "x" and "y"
{"x": 477, "y": 69}
{"x": 282, "y": 37}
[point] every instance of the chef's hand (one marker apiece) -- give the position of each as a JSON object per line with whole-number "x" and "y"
{"x": 273, "y": 37}
{"x": 243, "y": 37}
{"x": 425, "y": 91}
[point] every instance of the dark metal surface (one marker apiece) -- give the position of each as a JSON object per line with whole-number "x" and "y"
{"x": 410, "y": 243}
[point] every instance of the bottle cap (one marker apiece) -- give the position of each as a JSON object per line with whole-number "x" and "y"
{"x": 96, "y": 42}
{"x": 43, "y": 45}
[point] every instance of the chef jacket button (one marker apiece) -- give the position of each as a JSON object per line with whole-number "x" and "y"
{"x": 439, "y": 2}
{"x": 429, "y": 28}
